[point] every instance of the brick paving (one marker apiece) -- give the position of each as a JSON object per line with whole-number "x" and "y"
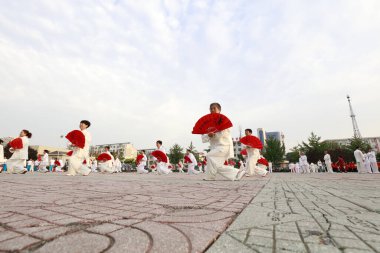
{"x": 309, "y": 213}
{"x": 118, "y": 213}
{"x": 181, "y": 213}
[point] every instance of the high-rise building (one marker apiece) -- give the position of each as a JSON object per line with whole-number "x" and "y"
{"x": 263, "y": 135}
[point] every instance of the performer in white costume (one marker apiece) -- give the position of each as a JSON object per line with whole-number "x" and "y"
{"x": 15, "y": 164}
{"x": 367, "y": 164}
{"x": 44, "y": 162}
{"x": 107, "y": 166}
{"x": 359, "y": 157}
{"x": 117, "y": 165}
{"x": 304, "y": 164}
{"x": 221, "y": 149}
{"x": 94, "y": 165}
{"x": 79, "y": 155}
{"x": 297, "y": 168}
{"x": 2, "y": 160}
{"x": 270, "y": 167}
{"x": 162, "y": 167}
{"x": 320, "y": 166}
{"x": 372, "y": 159}
{"x": 327, "y": 159}
{"x": 191, "y": 166}
{"x": 253, "y": 154}
{"x": 180, "y": 167}
{"x": 313, "y": 168}
{"x": 141, "y": 166}
{"x": 30, "y": 166}
{"x": 292, "y": 168}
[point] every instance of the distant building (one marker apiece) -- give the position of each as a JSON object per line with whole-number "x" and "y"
{"x": 374, "y": 142}
{"x": 237, "y": 146}
{"x": 54, "y": 152}
{"x": 264, "y": 136}
{"x": 124, "y": 149}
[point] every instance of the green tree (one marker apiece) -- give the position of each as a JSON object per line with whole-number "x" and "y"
{"x": 274, "y": 151}
{"x": 176, "y": 153}
{"x": 293, "y": 156}
{"x": 356, "y": 142}
{"x": 314, "y": 149}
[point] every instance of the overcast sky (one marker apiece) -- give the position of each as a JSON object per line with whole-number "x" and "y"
{"x": 147, "y": 70}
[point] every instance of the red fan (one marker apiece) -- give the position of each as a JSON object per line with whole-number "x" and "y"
{"x": 204, "y": 161}
{"x": 232, "y": 163}
{"x": 243, "y": 152}
{"x": 252, "y": 141}
{"x": 70, "y": 153}
{"x": 139, "y": 158}
{"x": 16, "y": 143}
{"x": 170, "y": 167}
{"x": 263, "y": 161}
{"x": 84, "y": 162}
{"x": 225, "y": 163}
{"x": 211, "y": 123}
{"x": 187, "y": 159}
{"x": 160, "y": 156}
{"x": 199, "y": 164}
{"x": 104, "y": 157}
{"x": 77, "y": 138}
{"x": 153, "y": 166}
{"x": 57, "y": 163}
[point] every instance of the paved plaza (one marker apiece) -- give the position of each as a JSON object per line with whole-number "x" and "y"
{"x": 181, "y": 213}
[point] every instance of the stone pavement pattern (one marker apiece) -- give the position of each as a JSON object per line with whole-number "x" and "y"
{"x": 309, "y": 213}
{"x": 118, "y": 213}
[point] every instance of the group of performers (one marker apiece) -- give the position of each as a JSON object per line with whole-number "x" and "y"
{"x": 221, "y": 150}
{"x": 365, "y": 163}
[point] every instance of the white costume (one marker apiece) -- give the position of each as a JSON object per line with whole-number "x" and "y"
{"x": 221, "y": 149}
{"x": 30, "y": 164}
{"x": 270, "y": 166}
{"x": 359, "y": 157}
{"x": 367, "y": 164}
{"x": 372, "y": 160}
{"x": 162, "y": 168}
{"x": 191, "y": 166}
{"x": 320, "y": 168}
{"x": 15, "y": 164}
{"x": 108, "y": 166}
{"x": 44, "y": 163}
{"x": 297, "y": 168}
{"x": 79, "y": 155}
{"x": 1, "y": 154}
{"x": 94, "y": 166}
{"x": 292, "y": 167}
{"x": 180, "y": 167}
{"x": 304, "y": 164}
{"x": 327, "y": 159}
{"x": 253, "y": 155}
{"x": 117, "y": 165}
{"x": 313, "y": 168}
{"x": 59, "y": 168}
{"x": 141, "y": 166}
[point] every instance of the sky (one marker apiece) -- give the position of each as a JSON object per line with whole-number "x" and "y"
{"x": 147, "y": 70}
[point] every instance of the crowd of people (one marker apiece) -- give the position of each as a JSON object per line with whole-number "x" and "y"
{"x": 216, "y": 161}
{"x": 365, "y": 163}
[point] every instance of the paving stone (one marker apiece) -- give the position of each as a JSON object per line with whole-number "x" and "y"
{"x": 105, "y": 228}
{"x": 17, "y": 243}
{"x": 130, "y": 240}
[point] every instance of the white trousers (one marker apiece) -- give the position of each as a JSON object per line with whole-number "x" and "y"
{"x": 215, "y": 164}
{"x": 360, "y": 167}
{"x": 162, "y": 168}
{"x": 15, "y": 166}
{"x": 329, "y": 168}
{"x": 261, "y": 170}
{"x": 374, "y": 167}
{"x": 141, "y": 169}
{"x": 76, "y": 165}
{"x": 253, "y": 156}
{"x": 191, "y": 169}
{"x": 105, "y": 167}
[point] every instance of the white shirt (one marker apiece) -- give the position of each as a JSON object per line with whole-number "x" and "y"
{"x": 1, "y": 154}
{"x": 327, "y": 158}
{"x": 359, "y": 157}
{"x": 303, "y": 160}
{"x": 192, "y": 158}
{"x": 222, "y": 138}
{"x": 371, "y": 155}
{"x": 23, "y": 152}
{"x": 88, "y": 139}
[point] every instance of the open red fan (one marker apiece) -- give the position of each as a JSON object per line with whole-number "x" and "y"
{"x": 70, "y": 153}
{"x": 243, "y": 152}
{"x": 104, "y": 157}
{"x": 211, "y": 123}
{"x": 153, "y": 166}
{"x": 232, "y": 163}
{"x": 139, "y": 158}
{"x": 187, "y": 159}
{"x": 16, "y": 143}
{"x": 160, "y": 156}
{"x": 57, "y": 163}
{"x": 263, "y": 161}
{"x": 76, "y": 138}
{"x": 170, "y": 167}
{"x": 252, "y": 141}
